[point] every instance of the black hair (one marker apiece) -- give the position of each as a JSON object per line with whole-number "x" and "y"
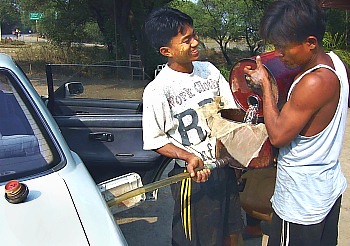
{"x": 285, "y": 21}
{"x": 165, "y": 23}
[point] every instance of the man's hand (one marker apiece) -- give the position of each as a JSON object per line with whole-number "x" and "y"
{"x": 192, "y": 160}
{"x": 258, "y": 75}
{"x": 197, "y": 163}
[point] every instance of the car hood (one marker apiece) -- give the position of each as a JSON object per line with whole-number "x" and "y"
{"x": 47, "y": 215}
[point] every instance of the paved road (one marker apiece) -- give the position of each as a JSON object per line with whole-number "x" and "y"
{"x": 150, "y": 223}
{"x": 25, "y": 37}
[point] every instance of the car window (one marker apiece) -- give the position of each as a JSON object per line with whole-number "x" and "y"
{"x": 25, "y": 146}
{"x": 99, "y": 81}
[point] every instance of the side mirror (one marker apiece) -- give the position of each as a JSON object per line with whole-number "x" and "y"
{"x": 69, "y": 89}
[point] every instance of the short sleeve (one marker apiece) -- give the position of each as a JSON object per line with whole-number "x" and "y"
{"x": 154, "y": 118}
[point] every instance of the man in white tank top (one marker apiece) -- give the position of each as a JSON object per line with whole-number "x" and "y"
{"x": 308, "y": 130}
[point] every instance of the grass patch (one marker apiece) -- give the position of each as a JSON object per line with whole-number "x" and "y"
{"x": 33, "y": 57}
{"x": 10, "y": 43}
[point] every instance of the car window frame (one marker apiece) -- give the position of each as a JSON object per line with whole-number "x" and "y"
{"x": 58, "y": 158}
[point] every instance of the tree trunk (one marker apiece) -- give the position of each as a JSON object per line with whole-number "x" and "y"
{"x": 123, "y": 12}
{"x": 224, "y": 53}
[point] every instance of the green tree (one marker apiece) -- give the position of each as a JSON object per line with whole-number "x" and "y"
{"x": 120, "y": 23}
{"x": 10, "y": 17}
{"x": 226, "y": 21}
{"x": 338, "y": 23}
{"x": 63, "y": 22}
{"x": 215, "y": 19}
{"x": 251, "y": 13}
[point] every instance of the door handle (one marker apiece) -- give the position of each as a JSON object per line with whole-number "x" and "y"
{"x": 101, "y": 136}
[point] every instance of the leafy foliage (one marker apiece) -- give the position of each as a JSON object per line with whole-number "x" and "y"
{"x": 226, "y": 21}
{"x": 251, "y": 14}
{"x": 344, "y": 56}
{"x": 119, "y": 24}
{"x": 9, "y": 15}
{"x": 337, "y": 41}
{"x": 338, "y": 44}
{"x": 337, "y": 21}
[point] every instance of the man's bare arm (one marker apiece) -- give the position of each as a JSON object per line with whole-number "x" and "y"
{"x": 307, "y": 98}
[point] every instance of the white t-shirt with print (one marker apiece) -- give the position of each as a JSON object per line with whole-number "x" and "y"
{"x": 169, "y": 108}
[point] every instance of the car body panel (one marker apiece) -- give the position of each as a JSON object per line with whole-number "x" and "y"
{"x": 26, "y": 219}
{"x": 88, "y": 200}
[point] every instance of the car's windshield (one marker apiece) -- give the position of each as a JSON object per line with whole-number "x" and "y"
{"x": 25, "y": 147}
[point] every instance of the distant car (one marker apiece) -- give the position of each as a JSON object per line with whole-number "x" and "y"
{"x": 48, "y": 196}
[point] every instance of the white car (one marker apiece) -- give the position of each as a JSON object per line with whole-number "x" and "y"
{"x": 50, "y": 197}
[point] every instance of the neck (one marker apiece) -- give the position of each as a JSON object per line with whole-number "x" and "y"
{"x": 318, "y": 57}
{"x": 181, "y": 67}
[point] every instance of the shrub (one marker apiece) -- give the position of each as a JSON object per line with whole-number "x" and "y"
{"x": 334, "y": 42}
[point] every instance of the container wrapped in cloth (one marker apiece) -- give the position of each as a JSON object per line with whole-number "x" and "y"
{"x": 247, "y": 144}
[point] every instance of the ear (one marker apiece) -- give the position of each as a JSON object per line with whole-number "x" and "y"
{"x": 165, "y": 51}
{"x": 312, "y": 42}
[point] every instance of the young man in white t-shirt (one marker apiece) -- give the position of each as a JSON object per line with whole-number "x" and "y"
{"x": 207, "y": 208}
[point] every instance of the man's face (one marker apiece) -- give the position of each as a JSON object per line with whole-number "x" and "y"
{"x": 292, "y": 54}
{"x": 183, "y": 47}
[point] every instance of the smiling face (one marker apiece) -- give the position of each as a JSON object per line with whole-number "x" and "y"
{"x": 182, "y": 50}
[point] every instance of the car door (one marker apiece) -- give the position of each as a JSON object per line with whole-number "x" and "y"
{"x": 100, "y": 115}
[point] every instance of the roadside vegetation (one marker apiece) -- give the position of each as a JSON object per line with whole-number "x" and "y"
{"x": 228, "y": 29}
{"x": 32, "y": 57}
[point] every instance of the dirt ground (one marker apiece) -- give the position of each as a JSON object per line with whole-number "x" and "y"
{"x": 344, "y": 223}
{"x": 150, "y": 223}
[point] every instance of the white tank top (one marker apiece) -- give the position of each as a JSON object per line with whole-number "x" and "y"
{"x": 309, "y": 178}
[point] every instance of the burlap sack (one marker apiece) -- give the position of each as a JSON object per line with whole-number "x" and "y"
{"x": 249, "y": 145}
{"x": 242, "y": 141}
{"x": 257, "y": 192}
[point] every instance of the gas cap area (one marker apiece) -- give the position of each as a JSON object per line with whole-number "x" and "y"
{"x": 245, "y": 93}
{"x": 16, "y": 192}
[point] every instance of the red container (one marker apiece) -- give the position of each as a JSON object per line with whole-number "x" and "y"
{"x": 281, "y": 78}
{"x": 244, "y": 94}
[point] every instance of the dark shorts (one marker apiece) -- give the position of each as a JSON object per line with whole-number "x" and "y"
{"x": 212, "y": 212}
{"x": 324, "y": 233}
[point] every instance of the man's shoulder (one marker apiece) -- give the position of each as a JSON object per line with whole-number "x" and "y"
{"x": 153, "y": 85}
{"x": 206, "y": 67}
{"x": 160, "y": 82}
{"x": 203, "y": 64}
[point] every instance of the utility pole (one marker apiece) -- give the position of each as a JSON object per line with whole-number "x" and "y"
{"x": 36, "y": 30}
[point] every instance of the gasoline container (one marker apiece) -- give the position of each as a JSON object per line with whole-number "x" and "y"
{"x": 247, "y": 94}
